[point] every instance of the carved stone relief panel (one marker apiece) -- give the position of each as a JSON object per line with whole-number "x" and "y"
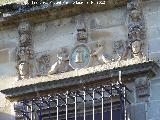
{"x": 62, "y": 63}
{"x": 25, "y": 52}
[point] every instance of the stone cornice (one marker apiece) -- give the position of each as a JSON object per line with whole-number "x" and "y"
{"x": 50, "y": 84}
{"x": 57, "y": 12}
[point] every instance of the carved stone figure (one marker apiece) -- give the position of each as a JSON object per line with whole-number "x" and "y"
{"x": 62, "y": 63}
{"x": 120, "y": 50}
{"x": 43, "y": 65}
{"x": 25, "y": 52}
{"x": 98, "y": 55}
{"x": 136, "y": 48}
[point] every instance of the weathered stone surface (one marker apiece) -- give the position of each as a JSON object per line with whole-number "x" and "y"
{"x": 137, "y": 112}
{"x": 4, "y": 56}
{"x": 61, "y": 12}
{"x": 153, "y": 110}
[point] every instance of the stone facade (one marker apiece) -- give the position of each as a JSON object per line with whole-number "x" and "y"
{"x": 129, "y": 33}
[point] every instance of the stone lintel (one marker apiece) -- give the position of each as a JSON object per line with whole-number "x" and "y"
{"x": 57, "y": 12}
{"x": 129, "y": 73}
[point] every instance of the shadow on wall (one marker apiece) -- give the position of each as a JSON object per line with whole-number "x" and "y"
{"x": 5, "y": 116}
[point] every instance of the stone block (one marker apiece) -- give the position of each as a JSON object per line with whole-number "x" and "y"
{"x": 4, "y": 56}
{"x": 155, "y": 86}
{"x": 137, "y": 112}
{"x": 154, "y": 110}
{"x": 154, "y": 45}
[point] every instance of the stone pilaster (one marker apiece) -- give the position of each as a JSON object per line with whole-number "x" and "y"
{"x": 136, "y": 28}
{"x": 25, "y": 52}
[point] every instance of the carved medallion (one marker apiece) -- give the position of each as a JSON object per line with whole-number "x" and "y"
{"x": 80, "y": 56}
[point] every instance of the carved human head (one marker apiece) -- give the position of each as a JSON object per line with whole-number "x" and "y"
{"x": 136, "y": 46}
{"x": 82, "y": 35}
{"x": 23, "y": 68}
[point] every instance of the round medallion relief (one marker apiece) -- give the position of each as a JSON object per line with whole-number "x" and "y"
{"x": 80, "y": 56}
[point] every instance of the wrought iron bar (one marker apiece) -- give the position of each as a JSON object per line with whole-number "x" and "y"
{"x": 57, "y": 107}
{"x": 111, "y": 103}
{"x": 93, "y": 104}
{"x": 84, "y": 94}
{"x": 67, "y": 105}
{"x": 40, "y": 113}
{"x": 32, "y": 111}
{"x": 102, "y": 103}
{"x": 40, "y": 104}
{"x": 49, "y": 107}
{"x": 75, "y": 102}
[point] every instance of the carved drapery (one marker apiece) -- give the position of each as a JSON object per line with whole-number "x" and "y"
{"x": 136, "y": 28}
{"x": 25, "y": 52}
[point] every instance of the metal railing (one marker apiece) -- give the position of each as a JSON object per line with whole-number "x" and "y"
{"x": 76, "y": 104}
